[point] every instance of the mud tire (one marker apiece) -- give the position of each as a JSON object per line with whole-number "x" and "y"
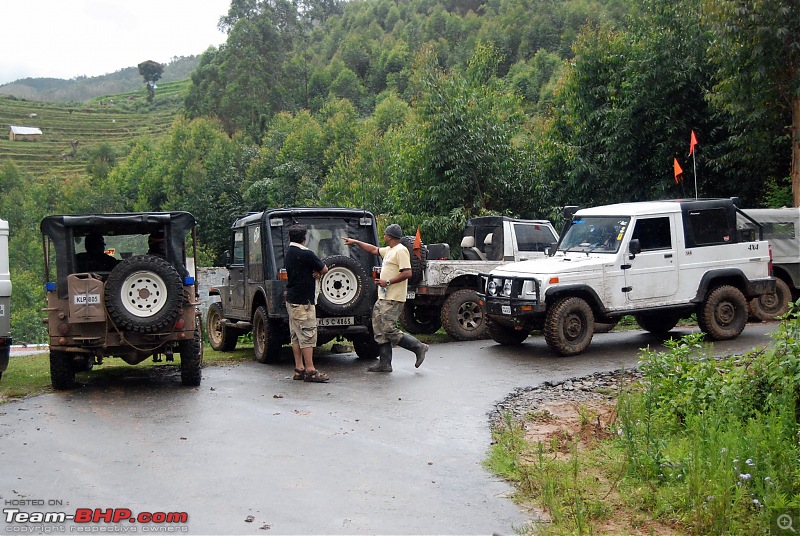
{"x": 191, "y": 360}
{"x": 657, "y": 323}
{"x": 770, "y": 306}
{"x": 144, "y": 294}
{"x": 267, "y": 341}
{"x": 723, "y": 314}
{"x": 463, "y": 317}
{"x": 417, "y": 263}
{"x": 344, "y": 286}
{"x": 506, "y": 335}
{"x": 366, "y": 347}
{"x": 221, "y": 337}
{"x": 62, "y": 370}
{"x": 569, "y": 326}
{"x": 605, "y": 327}
{"x": 420, "y": 319}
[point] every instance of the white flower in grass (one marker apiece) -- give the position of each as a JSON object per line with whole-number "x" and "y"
{"x": 749, "y": 462}
{"x": 745, "y": 476}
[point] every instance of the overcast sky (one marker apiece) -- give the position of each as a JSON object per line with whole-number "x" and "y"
{"x": 69, "y": 38}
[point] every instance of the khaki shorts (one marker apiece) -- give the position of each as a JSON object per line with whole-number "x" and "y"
{"x": 303, "y": 324}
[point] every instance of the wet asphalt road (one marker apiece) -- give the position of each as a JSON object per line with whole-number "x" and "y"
{"x": 252, "y": 452}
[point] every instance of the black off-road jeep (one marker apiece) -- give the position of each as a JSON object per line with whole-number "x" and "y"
{"x": 254, "y": 296}
{"x": 137, "y": 298}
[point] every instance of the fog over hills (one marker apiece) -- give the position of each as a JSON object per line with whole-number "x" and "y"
{"x": 84, "y": 88}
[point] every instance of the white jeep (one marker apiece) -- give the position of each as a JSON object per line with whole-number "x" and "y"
{"x": 659, "y": 261}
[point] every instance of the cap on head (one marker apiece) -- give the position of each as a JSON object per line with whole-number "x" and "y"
{"x": 394, "y": 231}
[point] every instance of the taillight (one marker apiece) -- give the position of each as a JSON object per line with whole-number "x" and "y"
{"x": 770, "y": 260}
{"x": 282, "y": 275}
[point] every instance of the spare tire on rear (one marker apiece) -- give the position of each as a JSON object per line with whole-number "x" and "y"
{"x": 144, "y": 294}
{"x": 417, "y": 263}
{"x": 344, "y": 286}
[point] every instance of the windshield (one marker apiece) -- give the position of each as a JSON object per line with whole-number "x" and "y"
{"x": 599, "y": 234}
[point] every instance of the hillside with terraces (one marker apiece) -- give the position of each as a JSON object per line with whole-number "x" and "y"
{"x": 71, "y": 130}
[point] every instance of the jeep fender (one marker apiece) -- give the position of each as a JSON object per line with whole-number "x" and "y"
{"x": 581, "y": 291}
{"x": 734, "y": 277}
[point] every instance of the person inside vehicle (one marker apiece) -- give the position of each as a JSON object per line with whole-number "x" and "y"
{"x": 155, "y": 244}
{"x": 95, "y": 259}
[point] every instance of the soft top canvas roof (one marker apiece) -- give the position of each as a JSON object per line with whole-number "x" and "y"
{"x": 782, "y": 230}
{"x": 56, "y": 227}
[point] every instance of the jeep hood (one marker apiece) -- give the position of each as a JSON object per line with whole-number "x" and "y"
{"x": 560, "y": 264}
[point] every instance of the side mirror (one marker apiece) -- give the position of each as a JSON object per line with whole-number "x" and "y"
{"x": 551, "y": 249}
{"x": 226, "y": 258}
{"x": 634, "y": 248}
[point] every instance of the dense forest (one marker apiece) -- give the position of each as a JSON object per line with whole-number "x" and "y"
{"x": 428, "y": 112}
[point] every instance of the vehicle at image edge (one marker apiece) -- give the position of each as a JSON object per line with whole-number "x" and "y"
{"x": 147, "y": 305}
{"x": 254, "y": 296}
{"x": 445, "y": 292}
{"x": 781, "y": 227}
{"x": 5, "y": 299}
{"x": 659, "y": 261}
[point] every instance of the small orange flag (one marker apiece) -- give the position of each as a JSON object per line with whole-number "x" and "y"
{"x": 692, "y": 143}
{"x": 418, "y": 245}
{"x": 678, "y": 171}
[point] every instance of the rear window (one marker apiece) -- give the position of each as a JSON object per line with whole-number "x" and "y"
{"x": 710, "y": 227}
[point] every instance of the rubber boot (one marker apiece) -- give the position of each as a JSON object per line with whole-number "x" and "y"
{"x": 419, "y": 348}
{"x": 385, "y": 355}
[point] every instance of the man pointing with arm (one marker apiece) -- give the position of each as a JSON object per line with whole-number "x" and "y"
{"x": 392, "y": 289}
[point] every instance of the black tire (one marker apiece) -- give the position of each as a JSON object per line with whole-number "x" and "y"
{"x": 605, "y": 327}
{"x": 366, "y": 347}
{"x": 221, "y": 337}
{"x": 62, "y": 370}
{"x": 770, "y": 306}
{"x": 144, "y": 294}
{"x": 723, "y": 314}
{"x": 463, "y": 316}
{"x": 420, "y": 319}
{"x": 417, "y": 263}
{"x": 191, "y": 360}
{"x": 267, "y": 341}
{"x": 657, "y": 323}
{"x": 506, "y": 335}
{"x": 344, "y": 287}
{"x": 569, "y": 326}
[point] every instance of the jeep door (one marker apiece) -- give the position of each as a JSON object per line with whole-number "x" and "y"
{"x": 653, "y": 273}
{"x": 236, "y": 276}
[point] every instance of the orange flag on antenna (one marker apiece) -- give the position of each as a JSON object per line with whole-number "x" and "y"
{"x": 692, "y": 143}
{"x": 678, "y": 171}
{"x": 418, "y": 245}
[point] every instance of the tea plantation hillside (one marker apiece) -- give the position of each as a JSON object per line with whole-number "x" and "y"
{"x": 71, "y": 130}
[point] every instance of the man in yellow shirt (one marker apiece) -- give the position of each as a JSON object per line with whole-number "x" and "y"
{"x": 392, "y": 289}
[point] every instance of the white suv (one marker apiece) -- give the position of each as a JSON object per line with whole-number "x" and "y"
{"x": 659, "y": 261}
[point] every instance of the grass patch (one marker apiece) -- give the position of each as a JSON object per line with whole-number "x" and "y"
{"x": 702, "y": 445}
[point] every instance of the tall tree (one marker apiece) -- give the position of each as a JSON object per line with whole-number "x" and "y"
{"x": 151, "y": 71}
{"x": 756, "y": 50}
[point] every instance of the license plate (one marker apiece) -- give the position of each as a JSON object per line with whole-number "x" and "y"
{"x": 506, "y": 309}
{"x": 87, "y": 299}
{"x": 336, "y": 321}
{"x": 411, "y": 295}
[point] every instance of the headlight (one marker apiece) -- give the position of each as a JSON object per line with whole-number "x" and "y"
{"x": 507, "y": 288}
{"x": 491, "y": 288}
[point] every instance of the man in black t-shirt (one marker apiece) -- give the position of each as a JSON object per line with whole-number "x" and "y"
{"x": 303, "y": 268}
